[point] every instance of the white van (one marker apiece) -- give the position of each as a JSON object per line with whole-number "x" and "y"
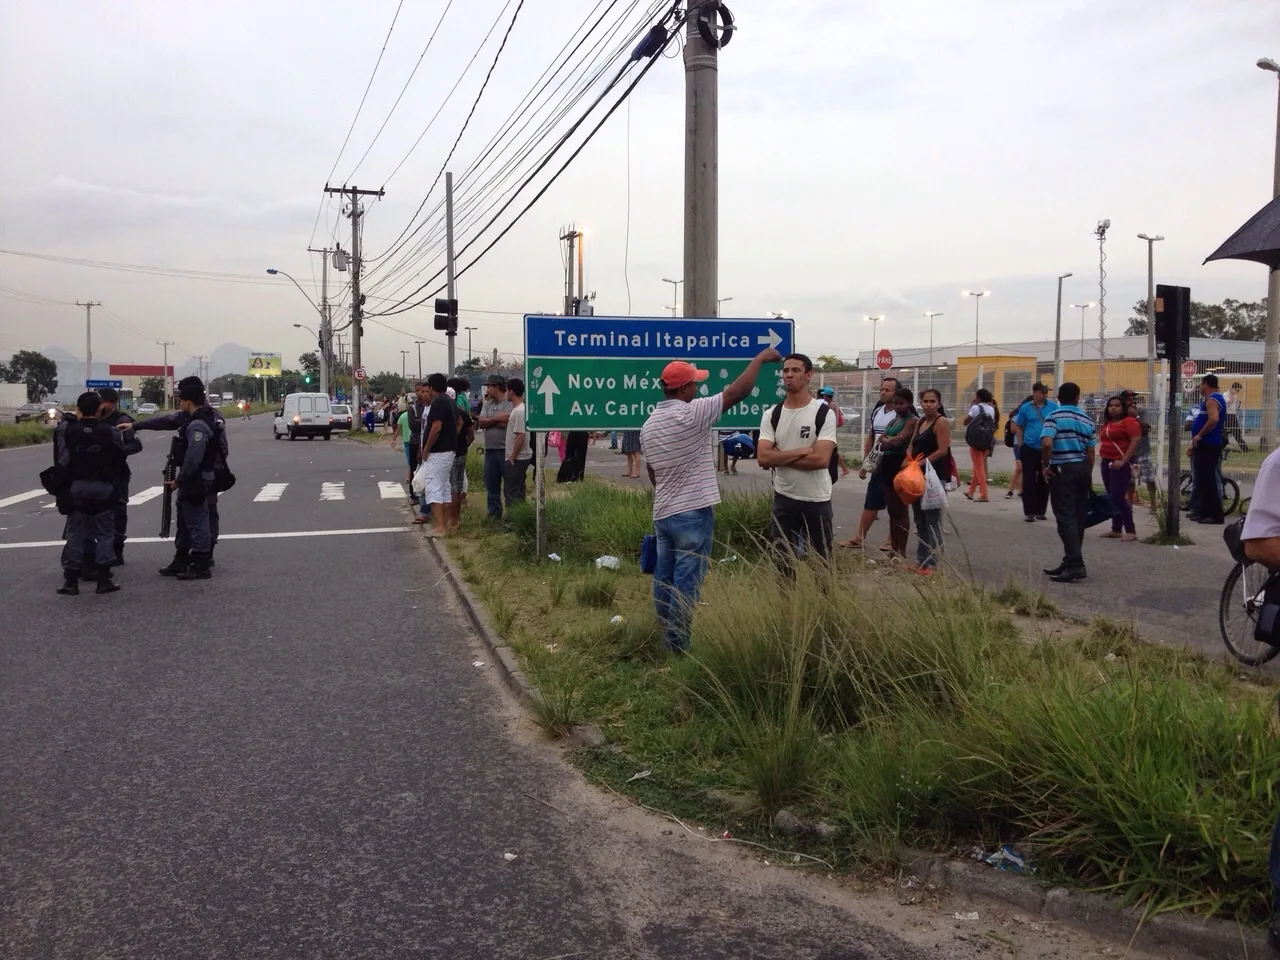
{"x": 303, "y": 415}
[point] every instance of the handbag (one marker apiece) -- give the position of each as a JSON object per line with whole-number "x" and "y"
{"x": 1101, "y": 509}
{"x": 648, "y": 553}
{"x": 872, "y": 459}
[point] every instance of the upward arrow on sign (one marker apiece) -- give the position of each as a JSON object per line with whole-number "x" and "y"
{"x": 548, "y": 389}
{"x": 772, "y": 340}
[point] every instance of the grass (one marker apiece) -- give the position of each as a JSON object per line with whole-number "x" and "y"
{"x": 908, "y": 717}
{"x": 1162, "y": 537}
{"x": 24, "y": 434}
{"x": 1025, "y": 602}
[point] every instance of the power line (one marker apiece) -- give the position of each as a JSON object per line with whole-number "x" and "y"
{"x": 174, "y": 272}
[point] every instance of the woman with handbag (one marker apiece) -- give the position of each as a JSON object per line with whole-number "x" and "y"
{"x": 932, "y": 441}
{"x": 894, "y": 444}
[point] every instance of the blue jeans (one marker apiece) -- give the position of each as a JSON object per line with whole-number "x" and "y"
{"x": 684, "y": 547}
{"x": 494, "y": 462}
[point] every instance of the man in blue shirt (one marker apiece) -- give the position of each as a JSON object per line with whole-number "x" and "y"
{"x": 1067, "y": 446}
{"x": 737, "y": 447}
{"x": 1206, "y": 450}
{"x": 1028, "y": 424}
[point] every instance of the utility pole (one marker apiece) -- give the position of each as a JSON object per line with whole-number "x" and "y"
{"x": 88, "y": 337}
{"x": 326, "y": 350}
{"x": 470, "y": 330}
{"x": 582, "y": 271}
{"x": 1271, "y": 342}
{"x": 418, "y": 344}
{"x": 168, "y": 396}
{"x": 451, "y": 334}
{"x": 1057, "y": 336}
{"x": 701, "y": 164}
{"x": 1151, "y": 317}
{"x": 357, "y": 300}
{"x": 570, "y": 236}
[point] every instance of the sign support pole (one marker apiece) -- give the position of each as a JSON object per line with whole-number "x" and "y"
{"x": 540, "y": 494}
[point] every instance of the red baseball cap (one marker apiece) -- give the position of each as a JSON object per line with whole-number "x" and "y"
{"x": 677, "y": 374}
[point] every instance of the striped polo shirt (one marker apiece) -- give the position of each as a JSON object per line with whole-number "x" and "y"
{"x": 1072, "y": 433}
{"x": 676, "y": 442}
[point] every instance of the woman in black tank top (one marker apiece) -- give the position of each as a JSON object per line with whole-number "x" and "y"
{"x": 932, "y": 441}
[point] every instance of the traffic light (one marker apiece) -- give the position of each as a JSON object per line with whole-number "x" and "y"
{"x": 447, "y": 316}
{"x": 306, "y": 378}
{"x": 1173, "y": 321}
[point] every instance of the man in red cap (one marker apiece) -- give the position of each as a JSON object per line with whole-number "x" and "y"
{"x": 680, "y": 456}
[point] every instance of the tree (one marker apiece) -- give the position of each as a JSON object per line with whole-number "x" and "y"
{"x": 1229, "y": 320}
{"x": 830, "y": 363}
{"x": 470, "y": 367}
{"x": 310, "y": 364}
{"x": 387, "y": 384}
{"x": 152, "y": 390}
{"x": 38, "y": 372}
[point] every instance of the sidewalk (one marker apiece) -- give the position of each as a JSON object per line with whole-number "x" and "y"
{"x": 1170, "y": 594}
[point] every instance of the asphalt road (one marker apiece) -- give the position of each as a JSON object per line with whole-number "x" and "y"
{"x": 299, "y": 758}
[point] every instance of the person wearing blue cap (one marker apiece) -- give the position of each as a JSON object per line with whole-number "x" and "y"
{"x": 828, "y": 396}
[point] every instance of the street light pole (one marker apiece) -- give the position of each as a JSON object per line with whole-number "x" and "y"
{"x": 469, "y": 353}
{"x": 321, "y": 342}
{"x": 675, "y": 289}
{"x": 1271, "y": 345}
{"x": 873, "y": 321}
{"x": 1151, "y": 315}
{"x": 977, "y": 304}
{"x": 1057, "y": 335}
{"x": 720, "y": 300}
{"x": 1083, "y": 307}
{"x": 931, "y": 314}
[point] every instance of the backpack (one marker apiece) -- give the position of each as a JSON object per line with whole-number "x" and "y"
{"x": 833, "y": 465}
{"x": 1010, "y": 438}
{"x": 981, "y": 431}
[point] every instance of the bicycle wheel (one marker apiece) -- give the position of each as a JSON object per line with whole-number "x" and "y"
{"x": 1238, "y": 614}
{"x": 1184, "y": 493}
{"x": 1230, "y": 496}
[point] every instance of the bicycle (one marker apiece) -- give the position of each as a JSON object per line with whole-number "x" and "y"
{"x": 1230, "y": 491}
{"x": 1238, "y": 608}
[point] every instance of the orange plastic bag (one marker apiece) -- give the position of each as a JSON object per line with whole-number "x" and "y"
{"x": 909, "y": 483}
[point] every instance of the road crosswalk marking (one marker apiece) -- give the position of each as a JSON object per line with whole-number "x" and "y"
{"x": 333, "y": 491}
{"x": 19, "y": 498}
{"x": 270, "y": 493}
{"x": 142, "y": 496}
{"x": 390, "y": 490}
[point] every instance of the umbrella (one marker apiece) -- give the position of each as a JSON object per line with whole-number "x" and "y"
{"x": 1258, "y": 240}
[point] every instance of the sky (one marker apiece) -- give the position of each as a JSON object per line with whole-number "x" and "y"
{"x": 876, "y": 157}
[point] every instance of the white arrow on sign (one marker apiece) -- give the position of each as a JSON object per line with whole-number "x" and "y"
{"x": 548, "y": 389}
{"x": 772, "y": 339}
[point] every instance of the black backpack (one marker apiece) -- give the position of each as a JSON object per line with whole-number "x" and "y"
{"x": 981, "y": 431}
{"x": 833, "y": 466}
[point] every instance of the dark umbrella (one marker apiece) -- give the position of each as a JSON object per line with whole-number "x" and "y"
{"x": 1258, "y": 240}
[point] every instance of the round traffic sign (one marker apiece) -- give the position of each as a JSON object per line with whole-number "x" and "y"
{"x": 1188, "y": 368}
{"x": 359, "y": 373}
{"x": 884, "y": 360}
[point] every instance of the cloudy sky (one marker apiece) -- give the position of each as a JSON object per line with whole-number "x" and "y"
{"x": 876, "y": 156}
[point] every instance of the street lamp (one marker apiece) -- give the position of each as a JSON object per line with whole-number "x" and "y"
{"x": 778, "y": 314}
{"x": 873, "y": 321}
{"x": 418, "y": 344}
{"x": 1057, "y": 332}
{"x": 1271, "y": 343}
{"x": 1151, "y": 315}
{"x": 931, "y": 314}
{"x": 675, "y": 290}
{"x": 1083, "y": 307}
{"x": 469, "y": 329}
{"x": 720, "y": 300}
{"x": 324, "y": 365}
{"x": 977, "y": 303}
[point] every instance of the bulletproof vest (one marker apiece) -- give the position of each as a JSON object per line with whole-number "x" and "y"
{"x": 206, "y": 416}
{"x": 92, "y": 450}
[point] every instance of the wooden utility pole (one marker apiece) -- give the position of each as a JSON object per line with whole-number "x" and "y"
{"x": 701, "y": 171}
{"x": 357, "y": 300}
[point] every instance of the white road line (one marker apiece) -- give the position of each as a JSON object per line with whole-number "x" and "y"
{"x": 49, "y": 506}
{"x": 142, "y": 496}
{"x": 333, "y": 491}
{"x": 391, "y": 491}
{"x": 18, "y": 498}
{"x": 270, "y": 493}
{"x": 288, "y": 535}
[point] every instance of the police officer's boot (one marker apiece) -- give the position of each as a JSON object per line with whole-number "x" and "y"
{"x": 70, "y": 583}
{"x": 181, "y": 559}
{"x": 197, "y": 569}
{"x": 105, "y": 583}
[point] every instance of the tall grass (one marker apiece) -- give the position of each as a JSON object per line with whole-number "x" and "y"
{"x": 24, "y": 434}
{"x": 923, "y": 718}
{"x": 593, "y": 519}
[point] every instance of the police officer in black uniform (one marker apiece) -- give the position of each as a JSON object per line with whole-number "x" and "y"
{"x": 91, "y": 459}
{"x": 203, "y": 447}
{"x": 111, "y": 414}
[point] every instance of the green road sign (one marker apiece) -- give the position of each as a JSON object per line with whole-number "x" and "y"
{"x": 575, "y": 384}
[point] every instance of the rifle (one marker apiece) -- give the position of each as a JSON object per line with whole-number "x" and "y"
{"x": 171, "y": 464}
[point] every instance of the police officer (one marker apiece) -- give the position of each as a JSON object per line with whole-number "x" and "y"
{"x": 111, "y": 414}
{"x": 203, "y": 447}
{"x": 92, "y": 460}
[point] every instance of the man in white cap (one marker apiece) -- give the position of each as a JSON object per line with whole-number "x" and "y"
{"x": 680, "y": 457}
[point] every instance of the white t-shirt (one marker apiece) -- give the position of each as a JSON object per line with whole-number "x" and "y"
{"x": 1263, "y": 519}
{"x": 797, "y": 428}
{"x": 986, "y": 408}
{"x": 882, "y": 417}
{"x": 516, "y": 425}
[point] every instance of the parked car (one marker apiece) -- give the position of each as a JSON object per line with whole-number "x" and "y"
{"x": 340, "y": 414}
{"x": 148, "y": 409}
{"x": 37, "y": 413}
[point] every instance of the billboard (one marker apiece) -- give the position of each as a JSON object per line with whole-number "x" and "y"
{"x": 264, "y": 364}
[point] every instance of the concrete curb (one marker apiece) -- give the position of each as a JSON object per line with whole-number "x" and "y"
{"x": 1094, "y": 913}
